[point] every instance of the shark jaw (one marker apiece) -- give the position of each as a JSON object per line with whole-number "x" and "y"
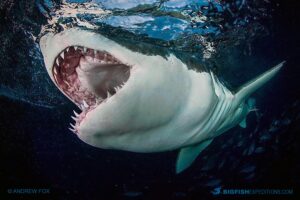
{"x": 88, "y": 77}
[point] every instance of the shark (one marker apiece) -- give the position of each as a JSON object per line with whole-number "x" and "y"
{"x": 137, "y": 102}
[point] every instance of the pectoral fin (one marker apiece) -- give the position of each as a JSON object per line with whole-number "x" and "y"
{"x": 188, "y": 155}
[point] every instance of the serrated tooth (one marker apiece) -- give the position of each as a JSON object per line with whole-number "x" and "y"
{"x": 73, "y": 130}
{"x": 68, "y": 49}
{"x": 62, "y": 55}
{"x": 75, "y": 47}
{"x": 67, "y": 83}
{"x": 73, "y": 126}
{"x": 57, "y": 61}
{"x": 74, "y": 118}
{"x": 82, "y": 108}
{"x": 85, "y": 104}
{"x": 54, "y": 70}
{"x": 84, "y": 49}
{"x": 108, "y": 94}
{"x": 75, "y": 113}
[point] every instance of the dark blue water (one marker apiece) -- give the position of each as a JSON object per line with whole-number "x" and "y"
{"x": 38, "y": 151}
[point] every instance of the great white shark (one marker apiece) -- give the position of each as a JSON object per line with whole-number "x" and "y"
{"x": 142, "y": 103}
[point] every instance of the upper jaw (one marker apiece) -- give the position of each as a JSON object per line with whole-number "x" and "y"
{"x": 53, "y": 44}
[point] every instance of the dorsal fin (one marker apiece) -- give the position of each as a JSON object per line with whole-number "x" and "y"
{"x": 246, "y": 90}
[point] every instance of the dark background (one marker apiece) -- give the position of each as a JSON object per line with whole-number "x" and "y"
{"x": 37, "y": 150}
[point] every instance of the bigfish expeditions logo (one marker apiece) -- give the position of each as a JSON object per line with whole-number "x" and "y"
{"x": 218, "y": 191}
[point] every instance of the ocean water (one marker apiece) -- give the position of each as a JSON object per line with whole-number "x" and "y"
{"x": 236, "y": 39}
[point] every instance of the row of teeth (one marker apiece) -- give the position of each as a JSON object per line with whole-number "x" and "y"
{"x": 76, "y": 118}
{"x": 84, "y": 107}
{"x": 62, "y": 54}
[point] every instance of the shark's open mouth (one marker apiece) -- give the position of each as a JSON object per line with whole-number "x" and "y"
{"x": 89, "y": 77}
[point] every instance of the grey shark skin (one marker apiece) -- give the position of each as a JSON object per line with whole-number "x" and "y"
{"x": 162, "y": 106}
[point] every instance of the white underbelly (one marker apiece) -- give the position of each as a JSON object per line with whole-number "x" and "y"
{"x": 186, "y": 128}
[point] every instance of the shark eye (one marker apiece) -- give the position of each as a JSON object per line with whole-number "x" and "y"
{"x": 89, "y": 77}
